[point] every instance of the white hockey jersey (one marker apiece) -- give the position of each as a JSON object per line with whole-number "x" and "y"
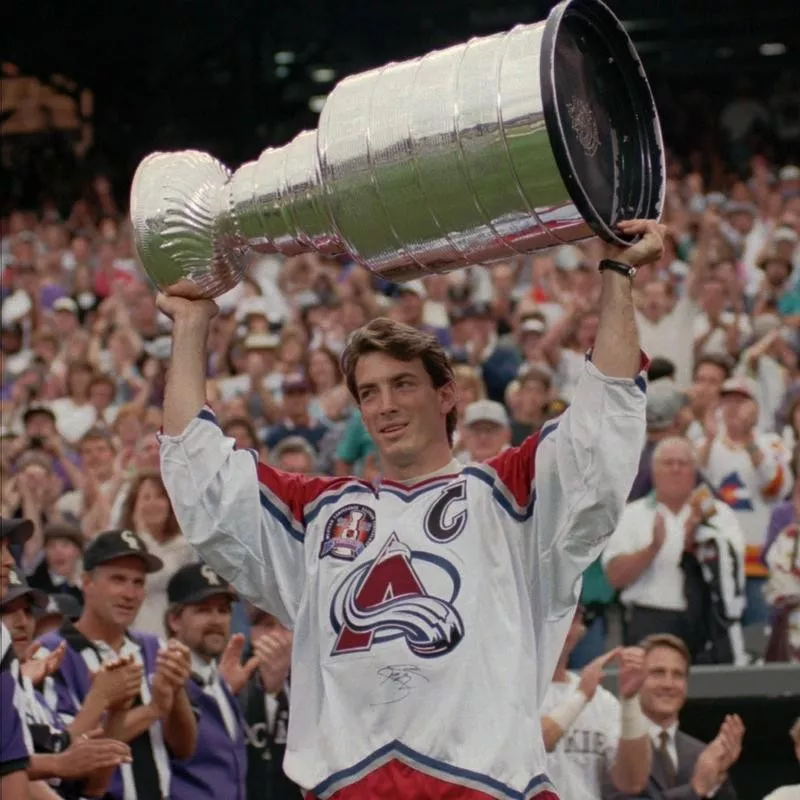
{"x": 428, "y": 618}
{"x": 586, "y": 752}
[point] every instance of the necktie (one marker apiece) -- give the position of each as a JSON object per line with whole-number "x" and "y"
{"x": 662, "y": 755}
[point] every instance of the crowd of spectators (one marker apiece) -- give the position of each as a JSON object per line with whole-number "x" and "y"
{"x": 707, "y": 549}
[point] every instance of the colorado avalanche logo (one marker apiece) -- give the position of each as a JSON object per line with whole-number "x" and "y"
{"x": 348, "y": 532}
{"x": 733, "y": 492}
{"x": 386, "y": 599}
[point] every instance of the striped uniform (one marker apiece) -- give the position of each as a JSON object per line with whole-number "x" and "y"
{"x": 428, "y": 618}
{"x": 16, "y": 746}
{"x": 148, "y": 777}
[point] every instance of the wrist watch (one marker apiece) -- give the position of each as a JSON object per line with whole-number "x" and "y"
{"x": 617, "y": 266}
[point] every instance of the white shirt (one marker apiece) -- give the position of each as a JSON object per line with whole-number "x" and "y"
{"x": 661, "y": 584}
{"x": 785, "y": 793}
{"x": 770, "y": 377}
{"x": 73, "y": 420}
{"x": 239, "y": 385}
{"x": 672, "y": 337}
{"x": 586, "y": 751}
{"x": 208, "y": 672}
{"x": 175, "y": 553}
{"x": 751, "y": 493}
{"x": 717, "y": 342}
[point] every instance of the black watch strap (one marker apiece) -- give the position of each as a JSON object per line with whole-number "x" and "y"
{"x": 617, "y": 266}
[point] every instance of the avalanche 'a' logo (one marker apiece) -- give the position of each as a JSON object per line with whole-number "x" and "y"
{"x": 734, "y": 493}
{"x": 386, "y": 599}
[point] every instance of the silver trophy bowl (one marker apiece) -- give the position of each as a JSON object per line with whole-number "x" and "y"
{"x": 504, "y": 145}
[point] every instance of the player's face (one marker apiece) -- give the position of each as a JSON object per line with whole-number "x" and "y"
{"x": 18, "y": 618}
{"x": 664, "y": 690}
{"x": 204, "y": 627}
{"x": 402, "y": 410}
{"x": 115, "y": 591}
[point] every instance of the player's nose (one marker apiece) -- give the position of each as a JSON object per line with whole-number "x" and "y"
{"x": 387, "y": 403}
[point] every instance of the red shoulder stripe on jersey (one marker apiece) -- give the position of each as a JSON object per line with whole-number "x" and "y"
{"x": 290, "y": 493}
{"x": 515, "y": 468}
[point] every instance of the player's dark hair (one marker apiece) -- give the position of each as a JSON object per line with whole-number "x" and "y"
{"x": 667, "y": 640}
{"x": 404, "y": 343}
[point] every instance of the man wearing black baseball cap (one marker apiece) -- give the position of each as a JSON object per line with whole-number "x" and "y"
{"x": 15, "y": 742}
{"x": 116, "y": 564}
{"x": 60, "y": 607}
{"x": 199, "y": 616}
{"x": 81, "y": 767}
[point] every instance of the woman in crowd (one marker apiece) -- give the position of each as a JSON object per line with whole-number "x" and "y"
{"x": 148, "y": 513}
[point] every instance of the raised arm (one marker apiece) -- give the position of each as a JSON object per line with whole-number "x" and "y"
{"x": 586, "y": 460}
{"x": 185, "y": 392}
{"x": 616, "y": 351}
{"x": 245, "y": 519}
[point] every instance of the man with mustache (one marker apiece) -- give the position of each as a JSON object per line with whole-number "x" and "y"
{"x": 161, "y": 722}
{"x": 199, "y": 616}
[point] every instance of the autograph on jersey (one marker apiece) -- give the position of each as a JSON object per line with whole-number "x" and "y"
{"x": 397, "y": 682}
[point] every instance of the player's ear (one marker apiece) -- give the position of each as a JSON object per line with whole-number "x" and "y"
{"x": 447, "y": 397}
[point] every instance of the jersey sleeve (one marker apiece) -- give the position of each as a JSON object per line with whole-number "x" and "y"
{"x": 571, "y": 483}
{"x": 243, "y": 518}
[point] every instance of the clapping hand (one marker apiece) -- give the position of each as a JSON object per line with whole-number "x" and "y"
{"x": 729, "y": 741}
{"x": 118, "y": 682}
{"x": 173, "y": 668}
{"x": 37, "y": 669}
{"x": 231, "y": 668}
{"x": 91, "y": 752}
{"x": 274, "y": 651}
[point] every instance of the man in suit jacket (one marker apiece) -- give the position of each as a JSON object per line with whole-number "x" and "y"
{"x": 683, "y": 768}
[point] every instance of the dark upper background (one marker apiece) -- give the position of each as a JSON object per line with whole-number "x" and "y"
{"x": 203, "y": 73}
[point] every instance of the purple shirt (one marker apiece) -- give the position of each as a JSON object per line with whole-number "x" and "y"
{"x": 72, "y": 683}
{"x": 218, "y": 767}
{"x": 14, "y": 743}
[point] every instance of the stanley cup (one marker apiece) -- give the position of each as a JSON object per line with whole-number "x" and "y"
{"x": 504, "y": 145}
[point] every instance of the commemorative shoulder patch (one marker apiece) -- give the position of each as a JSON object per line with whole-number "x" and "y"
{"x": 349, "y": 530}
